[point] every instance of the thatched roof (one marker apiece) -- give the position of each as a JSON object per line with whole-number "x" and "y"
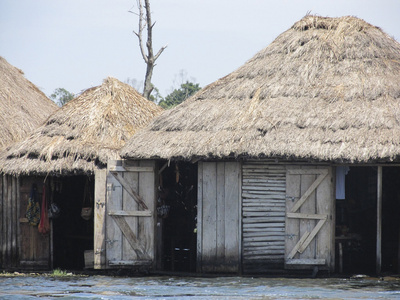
{"x": 326, "y": 89}
{"x": 23, "y": 107}
{"x": 84, "y": 133}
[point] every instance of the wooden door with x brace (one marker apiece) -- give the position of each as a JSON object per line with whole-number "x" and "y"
{"x": 125, "y": 227}
{"x": 309, "y": 212}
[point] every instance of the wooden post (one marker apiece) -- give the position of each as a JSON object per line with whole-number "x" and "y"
{"x": 379, "y": 222}
{"x": 99, "y": 219}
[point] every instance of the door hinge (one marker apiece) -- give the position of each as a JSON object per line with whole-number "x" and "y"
{"x": 98, "y": 204}
{"x": 290, "y": 236}
{"x": 111, "y": 242}
{"x": 99, "y": 251}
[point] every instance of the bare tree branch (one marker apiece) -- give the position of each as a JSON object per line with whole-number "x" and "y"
{"x": 148, "y": 57}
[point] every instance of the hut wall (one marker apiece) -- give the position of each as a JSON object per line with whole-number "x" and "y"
{"x": 219, "y": 222}
{"x": 263, "y": 209}
{"x": 9, "y": 225}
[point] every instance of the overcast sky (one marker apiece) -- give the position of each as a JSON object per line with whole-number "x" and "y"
{"x": 75, "y": 44}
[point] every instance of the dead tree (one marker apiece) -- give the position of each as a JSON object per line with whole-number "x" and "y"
{"x": 149, "y": 57}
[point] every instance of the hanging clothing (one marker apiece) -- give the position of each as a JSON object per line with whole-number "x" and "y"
{"x": 33, "y": 208}
{"x": 341, "y": 173}
{"x": 44, "y": 225}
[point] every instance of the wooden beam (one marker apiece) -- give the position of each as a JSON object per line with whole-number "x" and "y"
{"x": 130, "y": 213}
{"x": 379, "y": 222}
{"x": 314, "y": 262}
{"x": 310, "y": 190}
{"x": 130, "y": 190}
{"x": 136, "y": 245}
{"x": 307, "y": 216}
{"x": 130, "y": 169}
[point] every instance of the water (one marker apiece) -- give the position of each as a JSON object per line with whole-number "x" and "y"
{"x": 106, "y": 287}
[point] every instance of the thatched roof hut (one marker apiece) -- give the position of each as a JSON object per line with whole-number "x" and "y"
{"x": 83, "y": 134}
{"x": 23, "y": 107}
{"x": 326, "y": 89}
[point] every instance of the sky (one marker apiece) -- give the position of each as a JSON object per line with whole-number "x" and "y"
{"x": 76, "y": 44}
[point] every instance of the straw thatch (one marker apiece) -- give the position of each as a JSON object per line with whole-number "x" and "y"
{"x": 326, "y": 89}
{"x": 84, "y": 133}
{"x": 23, "y": 107}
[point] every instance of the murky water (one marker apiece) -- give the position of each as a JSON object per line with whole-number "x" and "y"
{"x": 105, "y": 287}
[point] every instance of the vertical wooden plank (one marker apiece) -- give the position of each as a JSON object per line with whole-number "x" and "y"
{"x": 209, "y": 216}
{"x": 99, "y": 248}
{"x": 324, "y": 203}
{"x": 199, "y": 216}
{"x": 309, "y": 206}
{"x": 2, "y": 231}
{"x": 14, "y": 221}
{"x": 232, "y": 216}
{"x": 292, "y": 226}
{"x": 220, "y": 210}
{"x": 7, "y": 219}
{"x": 147, "y": 189}
{"x": 128, "y": 203}
{"x": 113, "y": 233}
{"x": 379, "y": 222}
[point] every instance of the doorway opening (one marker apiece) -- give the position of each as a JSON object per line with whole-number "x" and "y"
{"x": 177, "y": 216}
{"x": 72, "y": 234}
{"x": 356, "y": 221}
{"x": 390, "y": 220}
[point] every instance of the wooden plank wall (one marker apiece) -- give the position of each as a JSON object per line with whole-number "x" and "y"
{"x": 219, "y": 222}
{"x": 9, "y": 225}
{"x": 263, "y": 209}
{"x": 34, "y": 248}
{"x": 21, "y": 245}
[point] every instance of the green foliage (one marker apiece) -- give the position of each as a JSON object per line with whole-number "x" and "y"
{"x": 61, "y": 96}
{"x": 156, "y": 96}
{"x": 179, "y": 95}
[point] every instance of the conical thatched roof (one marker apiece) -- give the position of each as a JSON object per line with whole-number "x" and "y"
{"x": 23, "y": 107}
{"x": 84, "y": 133}
{"x": 326, "y": 89}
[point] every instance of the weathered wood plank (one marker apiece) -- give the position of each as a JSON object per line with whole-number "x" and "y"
{"x": 131, "y": 169}
{"x": 310, "y": 189}
{"x": 115, "y": 263}
{"x": 314, "y": 262}
{"x": 293, "y": 190}
{"x": 129, "y": 189}
{"x": 307, "y": 204}
{"x": 147, "y": 188}
{"x": 209, "y": 236}
{"x": 113, "y": 233}
{"x": 220, "y": 210}
{"x": 130, "y": 204}
{"x": 137, "y": 245}
{"x": 131, "y": 213}
{"x": 232, "y": 214}
{"x": 306, "y": 216}
{"x": 99, "y": 252}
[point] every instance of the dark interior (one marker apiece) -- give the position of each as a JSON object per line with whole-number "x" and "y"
{"x": 72, "y": 234}
{"x": 177, "y": 210}
{"x": 356, "y": 221}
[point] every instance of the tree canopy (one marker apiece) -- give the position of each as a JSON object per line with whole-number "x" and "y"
{"x": 61, "y": 96}
{"x": 177, "y": 96}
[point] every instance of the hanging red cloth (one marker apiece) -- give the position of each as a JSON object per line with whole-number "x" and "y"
{"x": 44, "y": 225}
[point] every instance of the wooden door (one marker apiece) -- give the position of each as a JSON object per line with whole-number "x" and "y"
{"x": 34, "y": 248}
{"x": 309, "y": 212}
{"x": 125, "y": 221}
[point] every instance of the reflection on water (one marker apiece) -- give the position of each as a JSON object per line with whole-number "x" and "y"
{"x": 105, "y": 287}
